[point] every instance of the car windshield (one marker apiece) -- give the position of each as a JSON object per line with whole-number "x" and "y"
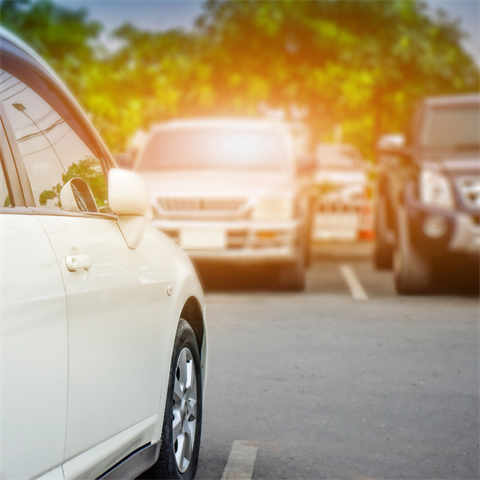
{"x": 334, "y": 158}
{"x": 219, "y": 148}
{"x": 453, "y": 128}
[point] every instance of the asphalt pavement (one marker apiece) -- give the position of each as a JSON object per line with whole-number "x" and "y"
{"x": 320, "y": 385}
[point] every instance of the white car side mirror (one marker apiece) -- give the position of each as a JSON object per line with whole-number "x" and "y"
{"x": 127, "y": 193}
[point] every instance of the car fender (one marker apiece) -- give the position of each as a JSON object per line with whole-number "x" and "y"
{"x": 183, "y": 286}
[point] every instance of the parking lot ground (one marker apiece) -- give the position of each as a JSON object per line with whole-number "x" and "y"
{"x": 326, "y": 386}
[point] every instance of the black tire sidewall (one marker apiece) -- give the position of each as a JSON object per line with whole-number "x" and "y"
{"x": 292, "y": 276}
{"x": 185, "y": 337}
{"x": 412, "y": 269}
{"x": 383, "y": 251}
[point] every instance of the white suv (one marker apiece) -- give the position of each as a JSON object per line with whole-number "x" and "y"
{"x": 229, "y": 190}
{"x": 103, "y": 336}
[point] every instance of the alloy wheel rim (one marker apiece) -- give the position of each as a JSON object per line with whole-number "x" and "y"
{"x": 184, "y": 409}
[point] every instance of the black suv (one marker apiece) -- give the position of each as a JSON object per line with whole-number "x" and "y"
{"x": 428, "y": 203}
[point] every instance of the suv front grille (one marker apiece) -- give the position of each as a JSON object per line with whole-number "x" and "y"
{"x": 469, "y": 188}
{"x": 203, "y": 206}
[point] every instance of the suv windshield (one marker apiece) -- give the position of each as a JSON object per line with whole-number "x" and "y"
{"x": 453, "y": 128}
{"x": 221, "y": 148}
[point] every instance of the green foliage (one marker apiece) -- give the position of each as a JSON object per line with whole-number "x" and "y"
{"x": 53, "y": 194}
{"x": 142, "y": 83}
{"x": 62, "y": 36}
{"x": 363, "y": 64}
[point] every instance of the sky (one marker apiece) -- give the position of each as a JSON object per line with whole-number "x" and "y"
{"x": 164, "y": 14}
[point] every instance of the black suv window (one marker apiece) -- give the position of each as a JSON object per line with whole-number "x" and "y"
{"x": 52, "y": 152}
{"x": 455, "y": 128}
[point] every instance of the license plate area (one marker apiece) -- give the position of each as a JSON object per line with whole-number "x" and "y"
{"x": 203, "y": 239}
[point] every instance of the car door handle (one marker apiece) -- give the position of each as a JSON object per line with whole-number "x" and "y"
{"x": 75, "y": 262}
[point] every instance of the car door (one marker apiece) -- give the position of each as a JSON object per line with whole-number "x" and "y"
{"x": 116, "y": 309}
{"x": 33, "y": 328}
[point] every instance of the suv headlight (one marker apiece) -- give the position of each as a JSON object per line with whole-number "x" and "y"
{"x": 435, "y": 189}
{"x": 273, "y": 208}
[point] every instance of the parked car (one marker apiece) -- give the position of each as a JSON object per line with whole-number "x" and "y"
{"x": 343, "y": 203}
{"x": 103, "y": 318}
{"x": 428, "y": 209}
{"x": 230, "y": 190}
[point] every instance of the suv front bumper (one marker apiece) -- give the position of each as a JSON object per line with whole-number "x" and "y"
{"x": 461, "y": 235}
{"x": 241, "y": 241}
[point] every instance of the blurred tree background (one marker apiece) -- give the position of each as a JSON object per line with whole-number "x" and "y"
{"x": 360, "y": 64}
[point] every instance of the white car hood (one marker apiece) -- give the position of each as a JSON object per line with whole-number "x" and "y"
{"x": 208, "y": 182}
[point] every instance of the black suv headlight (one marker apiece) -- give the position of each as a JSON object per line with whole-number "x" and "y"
{"x": 436, "y": 189}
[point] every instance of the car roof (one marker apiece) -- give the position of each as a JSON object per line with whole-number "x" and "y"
{"x": 452, "y": 100}
{"x": 218, "y": 123}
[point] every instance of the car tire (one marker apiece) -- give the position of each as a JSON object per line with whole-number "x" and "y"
{"x": 412, "y": 270}
{"x": 292, "y": 275}
{"x": 383, "y": 253}
{"x": 183, "y": 408}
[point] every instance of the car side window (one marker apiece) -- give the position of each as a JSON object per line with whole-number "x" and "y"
{"x": 52, "y": 152}
{"x": 4, "y": 195}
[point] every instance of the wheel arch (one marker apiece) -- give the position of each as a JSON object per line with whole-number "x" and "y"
{"x": 192, "y": 312}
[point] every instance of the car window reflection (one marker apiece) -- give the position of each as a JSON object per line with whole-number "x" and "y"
{"x": 52, "y": 152}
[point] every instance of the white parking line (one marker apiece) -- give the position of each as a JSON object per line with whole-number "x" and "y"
{"x": 358, "y": 293}
{"x": 241, "y": 461}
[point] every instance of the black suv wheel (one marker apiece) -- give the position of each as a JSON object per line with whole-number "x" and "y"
{"x": 412, "y": 269}
{"x": 383, "y": 254}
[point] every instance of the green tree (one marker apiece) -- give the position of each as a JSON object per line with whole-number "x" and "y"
{"x": 140, "y": 84}
{"x": 363, "y": 64}
{"x": 64, "y": 37}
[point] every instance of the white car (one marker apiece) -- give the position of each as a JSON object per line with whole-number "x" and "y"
{"x": 229, "y": 190}
{"x": 103, "y": 335}
{"x": 342, "y": 209}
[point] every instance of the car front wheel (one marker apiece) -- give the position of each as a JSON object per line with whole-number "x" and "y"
{"x": 180, "y": 443}
{"x": 292, "y": 275}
